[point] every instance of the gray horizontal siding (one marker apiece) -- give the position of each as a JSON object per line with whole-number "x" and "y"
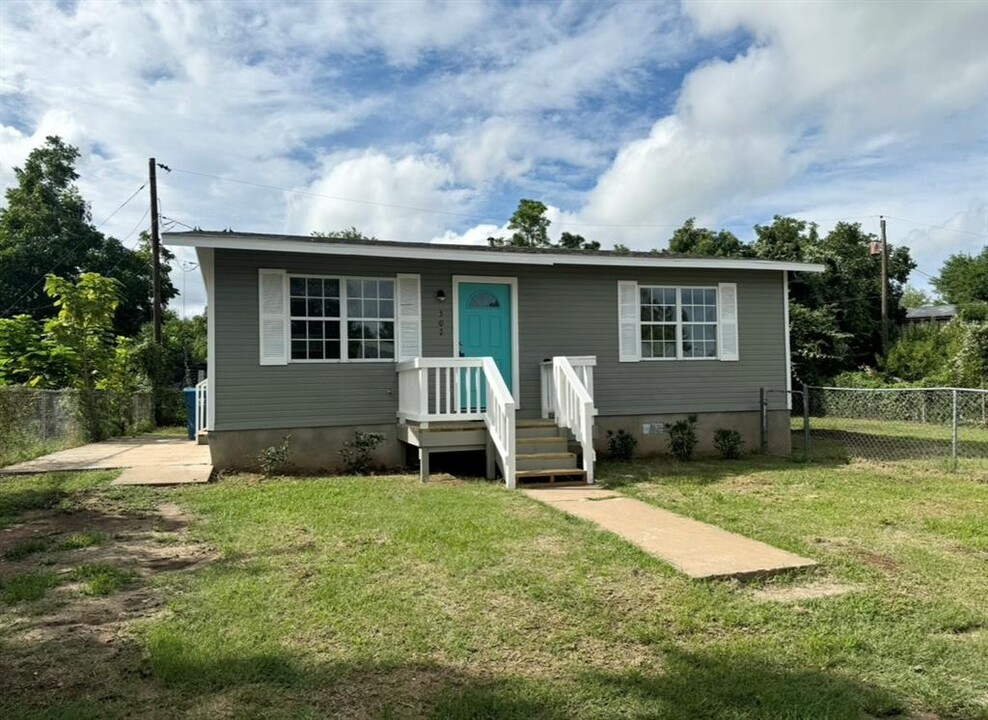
{"x": 562, "y": 311}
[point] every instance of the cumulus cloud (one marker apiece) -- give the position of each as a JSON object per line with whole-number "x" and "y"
{"x": 434, "y": 117}
{"x": 404, "y": 198}
{"x": 813, "y": 88}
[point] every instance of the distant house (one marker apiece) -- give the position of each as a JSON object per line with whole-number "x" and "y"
{"x": 938, "y": 314}
{"x": 529, "y": 354}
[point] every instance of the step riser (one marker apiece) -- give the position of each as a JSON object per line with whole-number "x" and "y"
{"x": 553, "y": 463}
{"x": 544, "y": 445}
{"x": 537, "y": 431}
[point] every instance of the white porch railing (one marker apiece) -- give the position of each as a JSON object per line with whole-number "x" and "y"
{"x": 202, "y": 409}
{"x": 583, "y": 365}
{"x": 451, "y": 389}
{"x": 572, "y": 403}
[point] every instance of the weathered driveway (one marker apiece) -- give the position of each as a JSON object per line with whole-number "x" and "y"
{"x": 146, "y": 460}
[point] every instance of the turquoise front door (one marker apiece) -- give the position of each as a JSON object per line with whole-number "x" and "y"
{"x": 485, "y": 326}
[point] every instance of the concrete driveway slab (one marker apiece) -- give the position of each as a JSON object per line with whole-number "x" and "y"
{"x": 145, "y": 451}
{"x": 696, "y": 549}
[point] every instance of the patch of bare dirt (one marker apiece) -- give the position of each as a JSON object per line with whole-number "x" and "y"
{"x": 808, "y": 591}
{"x": 44, "y": 639}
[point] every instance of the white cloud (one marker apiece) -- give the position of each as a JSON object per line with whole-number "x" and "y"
{"x": 407, "y": 198}
{"x": 463, "y": 107}
{"x": 818, "y": 86}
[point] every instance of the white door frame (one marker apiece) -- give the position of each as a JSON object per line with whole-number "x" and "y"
{"x": 512, "y": 283}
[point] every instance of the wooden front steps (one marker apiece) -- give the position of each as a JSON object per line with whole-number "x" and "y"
{"x": 541, "y": 447}
{"x": 542, "y": 453}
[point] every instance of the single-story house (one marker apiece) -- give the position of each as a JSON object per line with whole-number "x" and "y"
{"x": 531, "y": 354}
{"x": 926, "y": 314}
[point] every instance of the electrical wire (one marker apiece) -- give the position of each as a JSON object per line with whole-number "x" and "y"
{"x": 938, "y": 227}
{"x": 70, "y": 252}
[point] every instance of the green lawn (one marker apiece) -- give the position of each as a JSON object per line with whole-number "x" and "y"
{"x": 380, "y": 597}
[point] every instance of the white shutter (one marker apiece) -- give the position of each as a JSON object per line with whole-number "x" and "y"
{"x": 272, "y": 316}
{"x": 629, "y": 342}
{"x": 409, "y": 317}
{"x": 727, "y": 321}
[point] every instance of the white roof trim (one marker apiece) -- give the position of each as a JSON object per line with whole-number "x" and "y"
{"x": 465, "y": 254}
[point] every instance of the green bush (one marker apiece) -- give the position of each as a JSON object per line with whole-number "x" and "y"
{"x": 356, "y": 452}
{"x": 273, "y": 460}
{"x": 621, "y": 444}
{"x": 729, "y": 443}
{"x": 682, "y": 438}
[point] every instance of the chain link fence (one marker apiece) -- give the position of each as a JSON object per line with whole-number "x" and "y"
{"x": 34, "y": 421}
{"x": 944, "y": 427}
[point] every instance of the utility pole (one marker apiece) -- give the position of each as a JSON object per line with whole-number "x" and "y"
{"x": 885, "y": 290}
{"x": 156, "y": 252}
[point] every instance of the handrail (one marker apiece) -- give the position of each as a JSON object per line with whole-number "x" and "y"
{"x": 574, "y": 409}
{"x": 202, "y": 409}
{"x": 499, "y": 417}
{"x": 459, "y": 389}
{"x": 583, "y": 365}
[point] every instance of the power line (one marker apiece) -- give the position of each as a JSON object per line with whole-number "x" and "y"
{"x": 70, "y": 252}
{"x": 121, "y": 206}
{"x": 938, "y": 227}
{"x": 468, "y": 216}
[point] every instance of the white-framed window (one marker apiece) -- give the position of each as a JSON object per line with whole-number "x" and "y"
{"x": 341, "y": 319}
{"x": 678, "y": 323}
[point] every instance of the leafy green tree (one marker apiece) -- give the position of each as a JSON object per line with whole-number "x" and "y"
{"x": 46, "y": 227}
{"x": 530, "y": 224}
{"x": 693, "y": 240}
{"x": 348, "y": 233}
{"x": 84, "y": 327}
{"x": 819, "y": 347}
{"x": 913, "y": 297}
{"x": 132, "y": 269}
{"x": 571, "y": 241}
{"x": 785, "y": 239}
{"x": 28, "y": 357}
{"x": 964, "y": 278}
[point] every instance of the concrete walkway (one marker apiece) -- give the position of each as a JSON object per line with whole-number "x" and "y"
{"x": 697, "y": 549}
{"x": 145, "y": 460}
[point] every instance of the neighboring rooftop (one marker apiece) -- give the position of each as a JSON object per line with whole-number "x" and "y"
{"x": 930, "y": 312}
{"x": 476, "y": 253}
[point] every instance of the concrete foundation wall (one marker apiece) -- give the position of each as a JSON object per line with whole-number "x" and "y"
{"x": 657, "y": 443}
{"x": 310, "y": 449}
{"x": 318, "y": 448}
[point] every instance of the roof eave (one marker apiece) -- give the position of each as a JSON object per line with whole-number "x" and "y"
{"x": 465, "y": 254}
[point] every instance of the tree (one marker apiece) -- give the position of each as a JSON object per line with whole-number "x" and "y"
{"x": 577, "y": 242}
{"x": 913, "y": 297}
{"x": 693, "y": 240}
{"x": 835, "y": 317}
{"x": 348, "y": 233}
{"x": 46, "y": 227}
{"x": 964, "y": 278}
{"x": 132, "y": 269}
{"x": 28, "y": 357}
{"x": 84, "y": 327}
{"x": 530, "y": 224}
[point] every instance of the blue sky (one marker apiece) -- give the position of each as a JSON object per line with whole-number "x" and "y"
{"x": 428, "y": 121}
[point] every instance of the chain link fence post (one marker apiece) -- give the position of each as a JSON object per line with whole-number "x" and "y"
{"x": 953, "y": 439}
{"x": 806, "y": 422}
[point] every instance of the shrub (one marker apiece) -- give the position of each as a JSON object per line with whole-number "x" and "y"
{"x": 682, "y": 438}
{"x": 356, "y": 452}
{"x": 621, "y": 444}
{"x": 729, "y": 443}
{"x": 274, "y": 459}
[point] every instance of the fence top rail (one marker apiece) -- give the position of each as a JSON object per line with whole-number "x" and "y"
{"x": 915, "y": 389}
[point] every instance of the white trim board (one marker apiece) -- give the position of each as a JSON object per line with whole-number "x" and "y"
{"x": 464, "y": 253}
{"x": 207, "y": 268}
{"x": 512, "y": 282}
{"x": 785, "y": 315}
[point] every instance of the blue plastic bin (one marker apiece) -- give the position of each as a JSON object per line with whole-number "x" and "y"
{"x": 190, "y": 411}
